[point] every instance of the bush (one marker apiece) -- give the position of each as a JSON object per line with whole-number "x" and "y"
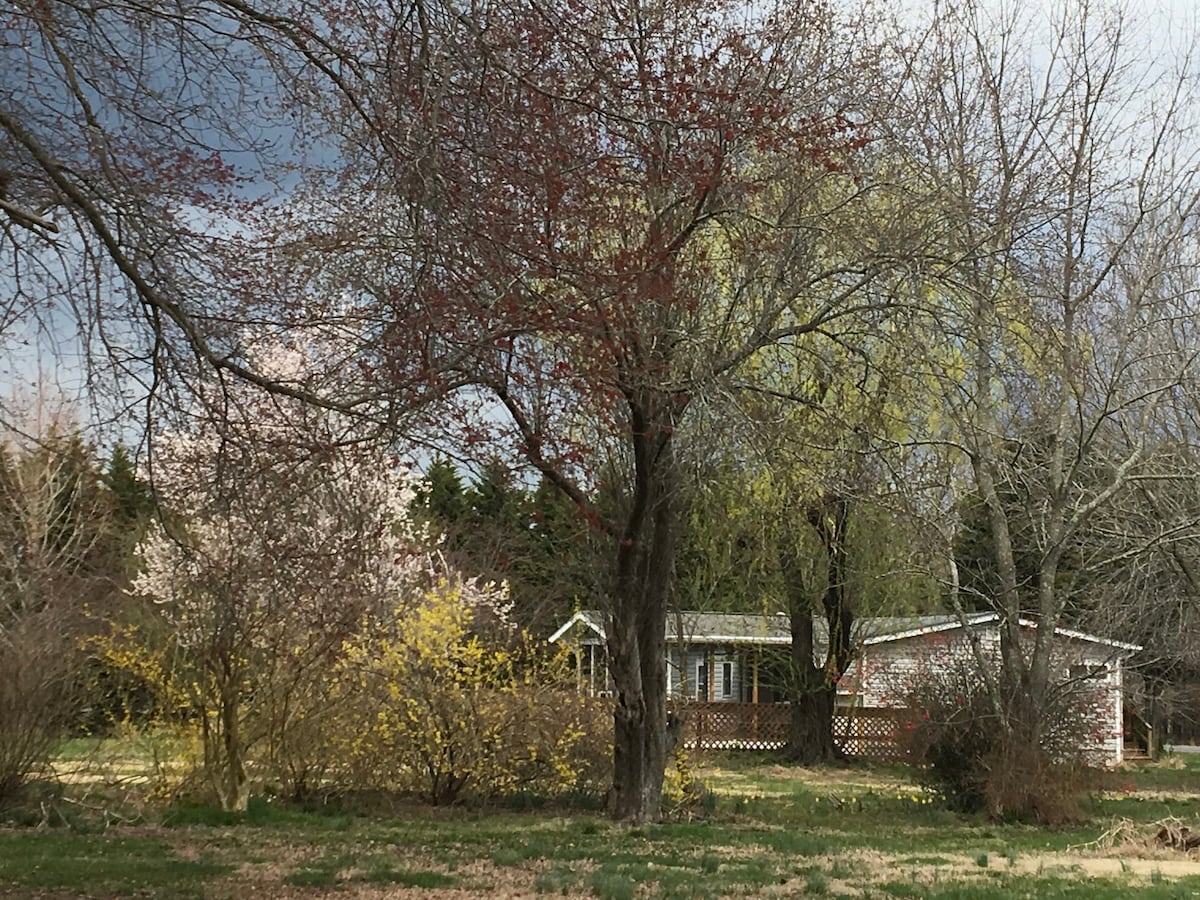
{"x": 974, "y": 763}
{"x": 431, "y": 706}
{"x": 951, "y": 743}
{"x": 37, "y": 679}
{"x": 431, "y": 701}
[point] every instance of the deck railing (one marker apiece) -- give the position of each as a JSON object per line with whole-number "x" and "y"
{"x": 862, "y": 732}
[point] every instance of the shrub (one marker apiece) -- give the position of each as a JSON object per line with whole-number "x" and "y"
{"x": 434, "y": 707}
{"x": 1028, "y": 783}
{"x": 37, "y": 679}
{"x": 953, "y": 738}
{"x": 975, "y": 763}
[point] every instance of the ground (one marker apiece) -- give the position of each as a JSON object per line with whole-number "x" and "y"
{"x": 764, "y": 830}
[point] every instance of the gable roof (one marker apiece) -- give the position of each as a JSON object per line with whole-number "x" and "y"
{"x": 775, "y": 630}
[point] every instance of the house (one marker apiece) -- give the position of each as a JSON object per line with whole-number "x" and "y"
{"x": 730, "y": 668}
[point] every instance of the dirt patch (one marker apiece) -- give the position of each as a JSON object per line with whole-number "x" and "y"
{"x": 1110, "y": 866}
{"x": 867, "y": 867}
{"x": 844, "y": 780}
{"x": 478, "y": 880}
{"x": 830, "y": 775}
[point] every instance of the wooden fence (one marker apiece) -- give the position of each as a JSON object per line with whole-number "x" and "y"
{"x": 866, "y": 733}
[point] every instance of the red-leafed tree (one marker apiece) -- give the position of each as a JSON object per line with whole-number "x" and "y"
{"x": 615, "y": 209}
{"x": 567, "y": 228}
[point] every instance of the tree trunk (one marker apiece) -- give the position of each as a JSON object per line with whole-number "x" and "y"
{"x": 810, "y": 725}
{"x": 813, "y": 688}
{"x": 229, "y": 778}
{"x": 644, "y": 734}
{"x": 810, "y": 729}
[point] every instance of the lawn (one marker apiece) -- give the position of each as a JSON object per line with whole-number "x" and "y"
{"x": 765, "y": 830}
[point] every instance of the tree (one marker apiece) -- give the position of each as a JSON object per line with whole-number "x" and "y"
{"x": 440, "y": 497}
{"x": 136, "y": 143}
{"x": 132, "y": 497}
{"x": 614, "y": 212}
{"x": 1046, "y": 298}
{"x": 555, "y": 228}
{"x": 533, "y": 541}
{"x": 282, "y": 536}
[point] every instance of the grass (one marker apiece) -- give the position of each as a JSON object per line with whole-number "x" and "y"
{"x": 858, "y": 831}
{"x": 1171, "y": 772}
{"x": 102, "y": 865}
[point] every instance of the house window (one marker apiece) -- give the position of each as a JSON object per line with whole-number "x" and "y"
{"x": 726, "y": 679}
{"x": 1086, "y": 671}
{"x": 701, "y": 681}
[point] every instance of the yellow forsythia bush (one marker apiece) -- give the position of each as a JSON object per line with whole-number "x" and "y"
{"x": 438, "y": 703}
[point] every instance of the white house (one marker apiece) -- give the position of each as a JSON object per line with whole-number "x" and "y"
{"x": 723, "y": 658}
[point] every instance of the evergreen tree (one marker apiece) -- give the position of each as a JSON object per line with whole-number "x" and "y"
{"x": 133, "y": 501}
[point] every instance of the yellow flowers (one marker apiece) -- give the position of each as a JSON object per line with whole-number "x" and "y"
{"x": 455, "y": 710}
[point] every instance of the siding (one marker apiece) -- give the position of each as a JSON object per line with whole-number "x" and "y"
{"x": 718, "y": 657}
{"x": 1087, "y": 676}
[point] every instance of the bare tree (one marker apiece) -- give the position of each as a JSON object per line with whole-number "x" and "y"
{"x": 1057, "y": 165}
{"x": 57, "y": 557}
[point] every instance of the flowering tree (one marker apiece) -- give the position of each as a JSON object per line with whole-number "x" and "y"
{"x": 281, "y": 536}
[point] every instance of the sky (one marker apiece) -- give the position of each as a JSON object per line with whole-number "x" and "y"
{"x": 48, "y": 356}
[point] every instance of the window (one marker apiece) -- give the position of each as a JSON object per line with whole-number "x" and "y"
{"x": 1086, "y": 671}
{"x": 727, "y": 679}
{"x": 701, "y": 681}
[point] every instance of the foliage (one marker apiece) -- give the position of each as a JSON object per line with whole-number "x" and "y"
{"x": 444, "y": 703}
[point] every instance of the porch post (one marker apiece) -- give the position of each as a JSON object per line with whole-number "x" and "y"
{"x": 712, "y": 674}
{"x": 754, "y": 692}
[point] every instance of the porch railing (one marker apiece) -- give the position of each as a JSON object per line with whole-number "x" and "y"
{"x": 862, "y": 732}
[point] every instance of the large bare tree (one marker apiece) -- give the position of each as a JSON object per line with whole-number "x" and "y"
{"x": 1058, "y": 165}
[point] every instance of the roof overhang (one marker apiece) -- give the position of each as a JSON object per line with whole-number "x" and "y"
{"x": 970, "y": 621}
{"x": 594, "y": 623}
{"x": 989, "y": 618}
{"x": 577, "y": 619}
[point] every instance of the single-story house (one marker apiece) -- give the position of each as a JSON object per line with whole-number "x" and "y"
{"x": 729, "y": 668}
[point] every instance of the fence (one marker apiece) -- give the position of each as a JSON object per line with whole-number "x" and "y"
{"x": 867, "y": 733}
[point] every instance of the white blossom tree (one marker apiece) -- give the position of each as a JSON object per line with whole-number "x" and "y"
{"x": 282, "y": 536}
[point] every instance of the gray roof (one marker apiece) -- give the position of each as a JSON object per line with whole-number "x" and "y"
{"x": 737, "y": 628}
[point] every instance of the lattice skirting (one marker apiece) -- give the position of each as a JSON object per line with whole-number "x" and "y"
{"x": 875, "y": 734}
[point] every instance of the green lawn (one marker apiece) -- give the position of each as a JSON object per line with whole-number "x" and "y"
{"x": 768, "y": 830}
